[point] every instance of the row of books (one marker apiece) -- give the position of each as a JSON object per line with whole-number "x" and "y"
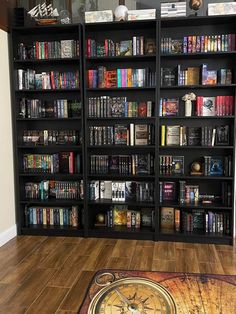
{"x": 60, "y": 108}
{"x": 103, "y": 78}
{"x": 62, "y": 162}
{"x": 190, "y": 193}
{"x": 176, "y": 135}
{"x": 121, "y": 191}
{"x": 217, "y": 166}
{"x": 205, "y": 106}
{"x": 119, "y": 134}
{"x": 207, "y": 165}
{"x": 41, "y": 50}
{"x": 196, "y": 44}
{"x": 30, "y": 80}
{"x": 53, "y": 216}
{"x": 175, "y": 76}
{"x": 122, "y": 164}
{"x": 194, "y": 221}
{"x": 106, "y": 106}
{"x": 121, "y": 215}
{"x": 56, "y": 189}
{"x": 137, "y": 46}
{"x": 51, "y": 137}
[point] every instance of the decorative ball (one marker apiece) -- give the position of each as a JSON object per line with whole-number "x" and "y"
{"x": 196, "y": 166}
{"x": 100, "y": 218}
{"x": 121, "y": 13}
{"x": 177, "y": 166}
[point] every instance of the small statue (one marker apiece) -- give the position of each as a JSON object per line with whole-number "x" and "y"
{"x": 188, "y": 103}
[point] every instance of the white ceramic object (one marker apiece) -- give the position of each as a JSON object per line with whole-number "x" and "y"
{"x": 121, "y": 13}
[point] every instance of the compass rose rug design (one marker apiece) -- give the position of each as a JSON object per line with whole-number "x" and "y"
{"x": 138, "y": 292}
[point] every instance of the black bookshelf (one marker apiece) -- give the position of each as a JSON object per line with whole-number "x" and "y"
{"x": 176, "y": 29}
{"x": 118, "y": 31}
{"x": 39, "y": 59}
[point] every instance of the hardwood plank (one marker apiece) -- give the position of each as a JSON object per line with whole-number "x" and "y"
{"x": 75, "y": 296}
{"x": 124, "y": 248}
{"x": 211, "y": 268}
{"x": 142, "y": 259}
{"x": 118, "y": 263}
{"x": 74, "y": 240}
{"x": 58, "y": 257}
{"x": 206, "y": 253}
{"x": 186, "y": 261}
{"x": 66, "y": 312}
{"x": 65, "y": 276}
{"x": 30, "y": 289}
{"x": 90, "y": 246}
{"x": 16, "y": 309}
{"x": 165, "y": 250}
{"x": 6, "y": 291}
{"x": 48, "y": 301}
{"x": 145, "y": 243}
{"x": 163, "y": 265}
{"x": 103, "y": 257}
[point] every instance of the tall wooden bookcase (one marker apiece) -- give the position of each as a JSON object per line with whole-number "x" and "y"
{"x": 175, "y": 28}
{"x": 43, "y": 63}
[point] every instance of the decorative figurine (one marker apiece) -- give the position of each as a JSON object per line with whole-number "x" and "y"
{"x": 121, "y": 12}
{"x": 44, "y": 14}
{"x": 188, "y": 98}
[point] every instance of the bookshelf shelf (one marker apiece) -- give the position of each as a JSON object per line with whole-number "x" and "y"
{"x": 197, "y": 118}
{"x": 197, "y": 147}
{"x": 145, "y": 103}
{"x": 216, "y": 86}
{"x": 110, "y": 202}
{"x": 51, "y": 202}
{"x": 59, "y": 176}
{"x": 195, "y": 177}
{"x": 47, "y": 61}
{"x": 122, "y": 58}
{"x": 116, "y": 89}
{"x": 200, "y": 55}
{"x": 34, "y": 91}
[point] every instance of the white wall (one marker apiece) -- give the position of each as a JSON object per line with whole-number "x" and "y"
{"x": 7, "y": 202}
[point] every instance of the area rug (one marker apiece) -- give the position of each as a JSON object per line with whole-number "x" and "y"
{"x": 138, "y": 292}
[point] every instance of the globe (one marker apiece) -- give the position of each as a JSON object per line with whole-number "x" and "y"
{"x": 121, "y": 13}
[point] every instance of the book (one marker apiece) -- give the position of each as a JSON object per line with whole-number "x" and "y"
{"x": 120, "y": 134}
{"x": 167, "y": 219}
{"x": 150, "y": 46}
{"x": 216, "y": 166}
{"x": 177, "y": 164}
{"x": 126, "y": 48}
{"x": 168, "y": 191}
{"x": 120, "y": 215}
{"x": 194, "y": 136}
{"x": 208, "y": 106}
{"x": 170, "y": 107}
{"x": 141, "y": 134}
{"x": 222, "y": 135}
{"x": 172, "y": 135}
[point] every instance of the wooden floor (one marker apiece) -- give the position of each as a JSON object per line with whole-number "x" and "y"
{"x": 50, "y": 275}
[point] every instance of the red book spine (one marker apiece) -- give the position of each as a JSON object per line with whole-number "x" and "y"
{"x": 48, "y": 216}
{"x": 89, "y": 48}
{"x": 106, "y": 48}
{"x": 37, "y": 49}
{"x": 71, "y": 163}
{"x": 220, "y": 105}
{"x": 227, "y": 105}
{"x": 199, "y": 106}
{"x": 52, "y": 80}
{"x": 233, "y": 42}
{"x": 46, "y": 50}
{"x": 217, "y": 105}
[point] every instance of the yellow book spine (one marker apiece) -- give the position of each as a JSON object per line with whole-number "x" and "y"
{"x": 163, "y": 135}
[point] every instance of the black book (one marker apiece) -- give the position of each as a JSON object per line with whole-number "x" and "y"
{"x": 194, "y": 136}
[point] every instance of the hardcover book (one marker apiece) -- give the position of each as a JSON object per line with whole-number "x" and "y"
{"x": 167, "y": 219}
{"x": 178, "y": 165}
{"x": 170, "y": 107}
{"x": 208, "y": 107}
{"x": 120, "y": 135}
{"x": 172, "y": 135}
{"x": 141, "y": 134}
{"x": 222, "y": 135}
{"x": 216, "y": 166}
{"x": 168, "y": 192}
{"x": 126, "y": 48}
{"x": 120, "y": 215}
{"x": 194, "y": 136}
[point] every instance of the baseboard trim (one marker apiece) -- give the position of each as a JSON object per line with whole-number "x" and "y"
{"x": 7, "y": 235}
